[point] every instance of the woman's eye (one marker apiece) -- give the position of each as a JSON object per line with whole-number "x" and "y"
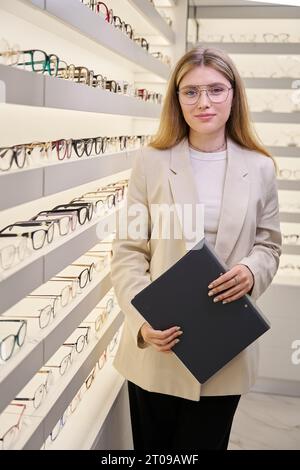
{"x": 190, "y": 92}
{"x": 217, "y": 90}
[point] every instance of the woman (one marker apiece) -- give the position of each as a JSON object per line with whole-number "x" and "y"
{"x": 205, "y": 152}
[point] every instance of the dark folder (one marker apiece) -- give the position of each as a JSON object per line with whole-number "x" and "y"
{"x": 213, "y": 333}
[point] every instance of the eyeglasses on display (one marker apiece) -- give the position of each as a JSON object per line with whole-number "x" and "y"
{"x": 291, "y": 238}
{"x": 40, "y": 392}
{"x": 11, "y": 254}
{"x": 65, "y": 295}
{"x": 15, "y": 157}
{"x": 10, "y": 435}
{"x": 287, "y": 173}
{"x": 37, "y": 237}
{"x": 85, "y": 276}
{"x": 9, "y": 342}
{"x": 81, "y": 341}
{"x": 45, "y": 314}
{"x": 64, "y": 363}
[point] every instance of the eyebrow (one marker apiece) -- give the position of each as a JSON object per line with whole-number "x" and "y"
{"x": 209, "y": 84}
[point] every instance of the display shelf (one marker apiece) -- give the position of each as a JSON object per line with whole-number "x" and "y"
{"x": 35, "y": 353}
{"x": 31, "y": 93}
{"x": 51, "y": 92}
{"x": 21, "y": 283}
{"x": 62, "y": 330}
{"x": 88, "y": 420}
{"x": 286, "y": 281}
{"x": 244, "y": 11}
{"x": 290, "y": 249}
{"x": 254, "y": 47}
{"x": 290, "y": 388}
{"x": 2, "y": 92}
{"x": 31, "y": 182}
{"x": 277, "y": 374}
{"x": 290, "y": 151}
{"x": 149, "y": 13}
{"x": 78, "y": 16}
{"x": 284, "y": 83}
{"x": 289, "y": 185}
{"x": 80, "y": 20}
{"x": 63, "y": 252}
{"x": 293, "y": 217}
{"x": 62, "y": 94}
{"x": 165, "y": 3}
{"x": 59, "y": 176}
{"x": 274, "y": 117}
{"x": 19, "y": 370}
{"x": 63, "y": 391}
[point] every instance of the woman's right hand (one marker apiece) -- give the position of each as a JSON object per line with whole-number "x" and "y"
{"x": 162, "y": 341}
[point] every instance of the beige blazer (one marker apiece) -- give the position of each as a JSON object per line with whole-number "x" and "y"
{"x": 249, "y": 233}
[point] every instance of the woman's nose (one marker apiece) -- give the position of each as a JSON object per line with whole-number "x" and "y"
{"x": 203, "y": 100}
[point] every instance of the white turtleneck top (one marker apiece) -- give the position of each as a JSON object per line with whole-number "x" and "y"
{"x": 209, "y": 169}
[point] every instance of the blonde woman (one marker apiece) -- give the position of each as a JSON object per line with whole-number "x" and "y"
{"x": 205, "y": 152}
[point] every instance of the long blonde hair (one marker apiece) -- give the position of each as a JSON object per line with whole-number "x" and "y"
{"x": 173, "y": 127}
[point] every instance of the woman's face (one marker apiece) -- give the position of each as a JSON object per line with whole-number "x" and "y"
{"x": 216, "y": 102}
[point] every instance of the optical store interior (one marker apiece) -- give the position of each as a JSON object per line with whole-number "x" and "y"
{"x": 82, "y": 85}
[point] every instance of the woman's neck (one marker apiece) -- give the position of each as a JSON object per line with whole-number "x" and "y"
{"x": 207, "y": 143}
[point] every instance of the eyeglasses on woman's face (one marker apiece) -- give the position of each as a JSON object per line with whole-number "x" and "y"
{"x": 216, "y": 93}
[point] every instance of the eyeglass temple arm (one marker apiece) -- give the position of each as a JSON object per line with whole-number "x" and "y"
{"x": 9, "y": 320}
{"x": 44, "y": 295}
{"x": 30, "y": 223}
{"x": 27, "y": 316}
{"x": 63, "y": 278}
{"x": 26, "y": 234}
{"x": 23, "y": 399}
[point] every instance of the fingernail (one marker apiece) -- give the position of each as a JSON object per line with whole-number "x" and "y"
{"x": 177, "y": 340}
{"x": 210, "y": 286}
{"x": 177, "y": 328}
{"x": 180, "y": 333}
{"x": 210, "y": 294}
{"x": 216, "y": 300}
{"x": 225, "y": 302}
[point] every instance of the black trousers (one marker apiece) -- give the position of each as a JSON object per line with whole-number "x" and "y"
{"x": 164, "y": 422}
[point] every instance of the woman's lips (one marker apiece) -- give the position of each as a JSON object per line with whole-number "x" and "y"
{"x": 205, "y": 117}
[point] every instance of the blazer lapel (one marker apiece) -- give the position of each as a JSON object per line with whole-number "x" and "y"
{"x": 234, "y": 202}
{"x": 185, "y": 195}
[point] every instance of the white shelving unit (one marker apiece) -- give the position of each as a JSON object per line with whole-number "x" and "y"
{"x": 290, "y": 217}
{"x": 290, "y": 152}
{"x": 150, "y": 14}
{"x": 59, "y": 176}
{"x": 79, "y": 21}
{"x": 67, "y": 24}
{"x": 50, "y": 92}
{"x": 40, "y": 267}
{"x": 106, "y": 388}
{"x": 65, "y": 390}
{"x": 15, "y": 375}
{"x": 277, "y": 374}
{"x": 256, "y": 47}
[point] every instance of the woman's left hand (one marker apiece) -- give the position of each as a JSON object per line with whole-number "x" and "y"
{"x": 232, "y": 285}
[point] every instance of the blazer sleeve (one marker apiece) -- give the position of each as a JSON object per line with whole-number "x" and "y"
{"x": 131, "y": 255}
{"x": 263, "y": 259}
